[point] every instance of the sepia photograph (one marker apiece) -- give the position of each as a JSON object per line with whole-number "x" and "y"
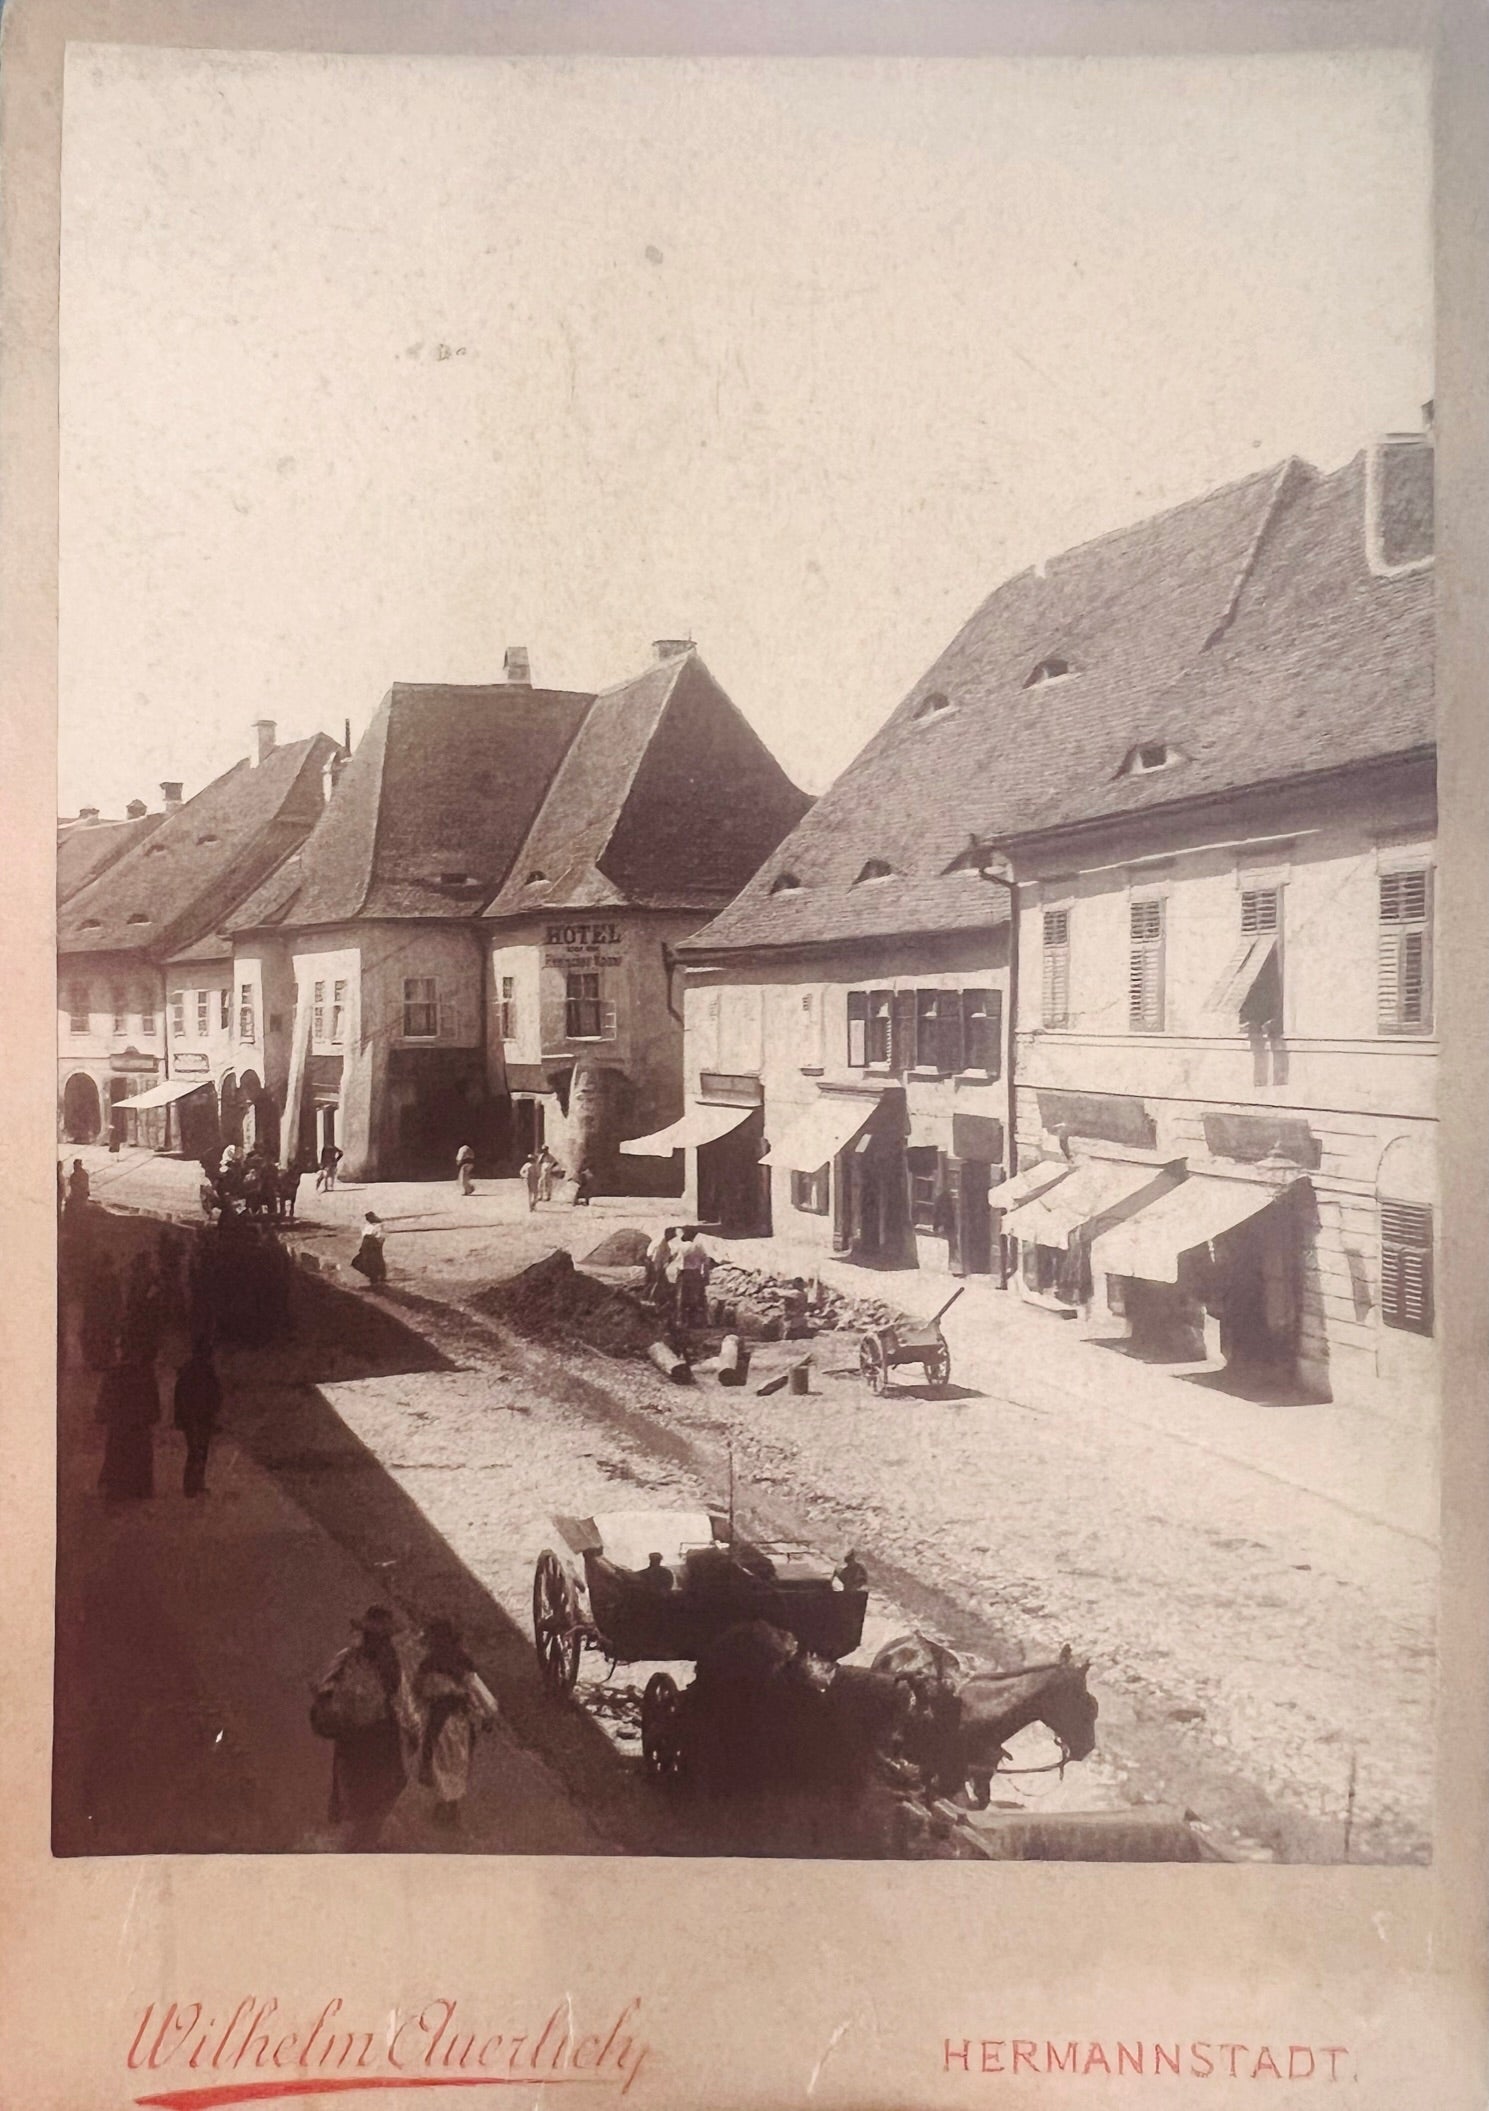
{"x": 747, "y": 958}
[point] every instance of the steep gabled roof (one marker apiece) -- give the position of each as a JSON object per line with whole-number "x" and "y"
{"x": 666, "y": 799}
{"x": 87, "y": 848}
{"x": 429, "y": 811}
{"x": 186, "y": 875}
{"x": 1243, "y": 632}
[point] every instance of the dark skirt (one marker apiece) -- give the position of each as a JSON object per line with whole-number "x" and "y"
{"x": 128, "y": 1460}
{"x": 367, "y": 1775}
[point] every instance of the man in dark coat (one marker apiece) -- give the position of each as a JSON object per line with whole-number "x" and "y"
{"x": 198, "y": 1404}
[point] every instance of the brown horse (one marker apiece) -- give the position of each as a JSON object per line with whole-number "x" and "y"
{"x": 963, "y": 1719}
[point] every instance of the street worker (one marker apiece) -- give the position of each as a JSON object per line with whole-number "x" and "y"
{"x": 129, "y": 1408}
{"x": 364, "y": 1706}
{"x": 454, "y": 1701}
{"x": 795, "y": 1306}
{"x": 198, "y": 1402}
{"x": 325, "y": 1178}
{"x": 656, "y": 1575}
{"x": 853, "y": 1576}
{"x": 254, "y": 1169}
{"x": 658, "y": 1254}
{"x": 584, "y": 1187}
{"x": 695, "y": 1265}
{"x": 531, "y": 1177}
{"x": 368, "y": 1258}
{"x": 103, "y": 1303}
{"x": 465, "y": 1169}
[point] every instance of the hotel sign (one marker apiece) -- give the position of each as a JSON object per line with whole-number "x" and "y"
{"x": 581, "y": 945}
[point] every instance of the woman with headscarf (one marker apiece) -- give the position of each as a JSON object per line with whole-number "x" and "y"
{"x": 455, "y": 1702}
{"x": 368, "y": 1258}
{"x": 129, "y": 1407}
{"x": 364, "y": 1706}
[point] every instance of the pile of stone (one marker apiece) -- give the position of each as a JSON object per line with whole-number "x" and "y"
{"x": 554, "y": 1301}
{"x": 761, "y": 1306}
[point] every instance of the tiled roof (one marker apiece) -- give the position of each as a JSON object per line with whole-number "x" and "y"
{"x": 666, "y": 799}
{"x": 430, "y": 809}
{"x": 182, "y": 880}
{"x": 1244, "y": 631}
{"x": 86, "y": 848}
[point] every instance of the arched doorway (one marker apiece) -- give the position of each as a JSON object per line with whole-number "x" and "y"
{"x": 82, "y": 1115}
{"x": 260, "y": 1117}
{"x": 230, "y": 1110}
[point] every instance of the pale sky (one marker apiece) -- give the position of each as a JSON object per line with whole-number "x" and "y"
{"x": 372, "y": 367}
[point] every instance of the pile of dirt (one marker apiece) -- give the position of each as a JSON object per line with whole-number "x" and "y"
{"x": 553, "y": 1301}
{"x": 756, "y": 1304}
{"x": 626, "y": 1248}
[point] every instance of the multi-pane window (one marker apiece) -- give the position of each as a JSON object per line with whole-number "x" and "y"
{"x": 420, "y": 1008}
{"x": 938, "y": 1031}
{"x": 178, "y": 1014}
{"x": 203, "y": 1012}
{"x": 77, "y": 1007}
{"x": 870, "y": 1029}
{"x": 147, "y": 1011}
{"x": 507, "y": 1008}
{"x": 318, "y": 1013}
{"x": 1406, "y": 1266}
{"x": 1404, "y": 955}
{"x": 1145, "y": 967}
{"x": 982, "y": 1031}
{"x": 224, "y": 1009}
{"x": 245, "y": 1012}
{"x": 338, "y": 1010}
{"x": 120, "y": 1001}
{"x": 809, "y": 1191}
{"x": 924, "y": 1163}
{"x": 1056, "y": 982}
{"x": 584, "y": 1007}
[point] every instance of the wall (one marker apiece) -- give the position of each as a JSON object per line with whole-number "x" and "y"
{"x": 786, "y": 1022}
{"x": 1350, "y": 1087}
{"x": 134, "y": 1054}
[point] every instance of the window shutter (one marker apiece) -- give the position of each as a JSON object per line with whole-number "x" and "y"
{"x": 1388, "y": 979}
{"x": 1406, "y": 1266}
{"x": 1145, "y": 967}
{"x": 951, "y": 1040}
{"x": 902, "y": 1040}
{"x": 858, "y": 1028}
{"x": 994, "y": 1032}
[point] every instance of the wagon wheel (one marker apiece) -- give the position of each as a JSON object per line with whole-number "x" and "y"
{"x": 871, "y": 1364}
{"x": 555, "y": 1635}
{"x": 661, "y": 1730}
{"x": 938, "y": 1365}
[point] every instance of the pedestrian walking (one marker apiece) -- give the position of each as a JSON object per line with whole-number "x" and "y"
{"x": 325, "y": 1178}
{"x": 129, "y": 1408}
{"x": 455, "y": 1703}
{"x": 368, "y": 1259}
{"x": 103, "y": 1305}
{"x": 465, "y": 1169}
{"x": 548, "y": 1169}
{"x": 531, "y": 1177}
{"x": 79, "y": 1186}
{"x": 198, "y": 1402}
{"x": 364, "y": 1706}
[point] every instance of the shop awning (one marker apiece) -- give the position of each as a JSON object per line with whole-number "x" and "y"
{"x": 818, "y": 1133}
{"x": 1100, "y": 1185}
{"x": 1034, "y": 1180}
{"x": 702, "y": 1123}
{"x": 1150, "y": 1242}
{"x": 164, "y": 1095}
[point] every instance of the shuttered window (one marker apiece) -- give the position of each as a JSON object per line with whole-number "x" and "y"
{"x": 880, "y": 1028}
{"x": 224, "y": 1009}
{"x": 938, "y": 1031}
{"x": 77, "y": 1008}
{"x": 507, "y": 1008}
{"x": 178, "y": 1015}
{"x": 203, "y": 1013}
{"x": 1406, "y": 1266}
{"x": 1145, "y": 967}
{"x": 902, "y": 1048}
{"x": 245, "y": 1012}
{"x": 587, "y": 1016}
{"x": 858, "y": 1029}
{"x": 982, "y": 1031}
{"x": 1260, "y": 910}
{"x": 1056, "y": 995}
{"x": 421, "y": 1008}
{"x": 318, "y": 1013}
{"x": 338, "y": 1010}
{"x": 147, "y": 1011}
{"x": 1404, "y": 979}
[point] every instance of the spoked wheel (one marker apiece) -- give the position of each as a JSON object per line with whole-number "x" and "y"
{"x": 938, "y": 1365}
{"x": 555, "y": 1635}
{"x": 661, "y": 1730}
{"x": 871, "y": 1364}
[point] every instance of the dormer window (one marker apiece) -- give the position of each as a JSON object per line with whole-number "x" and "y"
{"x": 785, "y": 883}
{"x": 137, "y": 916}
{"x": 536, "y": 879}
{"x": 1148, "y": 756}
{"x": 933, "y": 705}
{"x": 874, "y": 869}
{"x": 207, "y": 838}
{"x": 1051, "y": 670}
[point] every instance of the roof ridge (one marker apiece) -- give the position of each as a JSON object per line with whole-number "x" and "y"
{"x": 377, "y": 805}
{"x": 676, "y": 660}
{"x": 1166, "y": 513}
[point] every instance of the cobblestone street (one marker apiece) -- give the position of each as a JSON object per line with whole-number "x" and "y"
{"x": 1254, "y": 1581}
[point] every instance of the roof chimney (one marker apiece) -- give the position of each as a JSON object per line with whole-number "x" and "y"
{"x": 1399, "y": 502}
{"x": 88, "y": 813}
{"x": 517, "y": 667}
{"x": 136, "y": 810}
{"x": 263, "y": 740}
{"x": 669, "y": 648}
{"x": 170, "y": 795}
{"x": 331, "y": 773}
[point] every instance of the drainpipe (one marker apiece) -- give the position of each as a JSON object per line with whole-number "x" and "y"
{"x": 669, "y": 968}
